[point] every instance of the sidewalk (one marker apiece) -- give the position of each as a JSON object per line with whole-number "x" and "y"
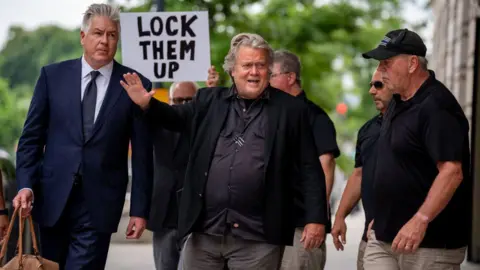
{"x": 132, "y": 255}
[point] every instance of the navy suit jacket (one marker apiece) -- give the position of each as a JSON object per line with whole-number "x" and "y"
{"x": 51, "y": 149}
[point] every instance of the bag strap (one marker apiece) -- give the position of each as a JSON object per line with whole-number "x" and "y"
{"x": 33, "y": 236}
{"x": 7, "y": 236}
{"x": 20, "y": 238}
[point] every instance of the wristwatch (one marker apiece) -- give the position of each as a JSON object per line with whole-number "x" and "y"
{"x": 4, "y": 212}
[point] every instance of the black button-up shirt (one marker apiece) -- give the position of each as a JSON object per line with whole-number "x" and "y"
{"x": 235, "y": 186}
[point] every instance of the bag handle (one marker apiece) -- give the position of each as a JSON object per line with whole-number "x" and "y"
{"x": 32, "y": 233}
{"x": 7, "y": 236}
{"x": 18, "y": 212}
{"x": 20, "y": 237}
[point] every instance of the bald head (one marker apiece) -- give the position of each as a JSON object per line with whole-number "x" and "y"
{"x": 182, "y": 92}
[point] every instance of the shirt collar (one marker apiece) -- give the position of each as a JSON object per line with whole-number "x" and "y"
{"x": 232, "y": 92}
{"x": 420, "y": 94}
{"x": 302, "y": 95}
{"x": 106, "y": 70}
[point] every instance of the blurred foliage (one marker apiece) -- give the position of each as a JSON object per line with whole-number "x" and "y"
{"x": 13, "y": 108}
{"x": 328, "y": 38}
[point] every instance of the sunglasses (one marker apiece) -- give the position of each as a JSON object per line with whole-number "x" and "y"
{"x": 376, "y": 84}
{"x": 181, "y": 100}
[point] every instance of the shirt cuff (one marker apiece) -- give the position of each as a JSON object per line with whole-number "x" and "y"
{"x": 31, "y": 190}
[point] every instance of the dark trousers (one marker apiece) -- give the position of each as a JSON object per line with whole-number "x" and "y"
{"x": 73, "y": 242}
{"x": 165, "y": 249}
{"x": 208, "y": 252}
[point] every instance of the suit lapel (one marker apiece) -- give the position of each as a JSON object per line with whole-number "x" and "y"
{"x": 111, "y": 97}
{"x": 74, "y": 104}
{"x": 273, "y": 114}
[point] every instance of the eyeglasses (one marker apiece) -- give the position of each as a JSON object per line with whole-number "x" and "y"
{"x": 278, "y": 74}
{"x": 377, "y": 84}
{"x": 181, "y": 100}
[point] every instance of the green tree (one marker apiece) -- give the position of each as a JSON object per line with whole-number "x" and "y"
{"x": 26, "y": 52}
{"x": 13, "y": 108}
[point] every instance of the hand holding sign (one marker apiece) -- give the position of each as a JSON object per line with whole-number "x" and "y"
{"x": 134, "y": 87}
{"x": 213, "y": 77}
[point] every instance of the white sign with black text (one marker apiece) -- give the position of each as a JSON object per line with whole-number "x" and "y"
{"x": 166, "y": 46}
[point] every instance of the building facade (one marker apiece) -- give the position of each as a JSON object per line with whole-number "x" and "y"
{"x": 456, "y": 62}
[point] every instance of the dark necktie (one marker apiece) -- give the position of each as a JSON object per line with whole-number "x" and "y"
{"x": 88, "y": 105}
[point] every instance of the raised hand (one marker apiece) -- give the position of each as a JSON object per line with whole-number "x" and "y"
{"x": 213, "y": 77}
{"x": 134, "y": 87}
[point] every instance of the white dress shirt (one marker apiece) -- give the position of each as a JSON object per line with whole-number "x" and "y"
{"x": 102, "y": 82}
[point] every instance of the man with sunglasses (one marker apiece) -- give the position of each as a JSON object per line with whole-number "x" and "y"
{"x": 422, "y": 182}
{"x": 286, "y": 77}
{"x": 171, "y": 151}
{"x": 360, "y": 183}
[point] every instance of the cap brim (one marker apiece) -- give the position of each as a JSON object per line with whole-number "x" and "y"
{"x": 379, "y": 53}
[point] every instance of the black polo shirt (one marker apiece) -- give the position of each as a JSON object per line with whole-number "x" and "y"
{"x": 366, "y": 158}
{"x": 325, "y": 137}
{"x": 416, "y": 134}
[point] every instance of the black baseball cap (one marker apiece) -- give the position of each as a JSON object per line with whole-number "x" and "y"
{"x": 401, "y": 41}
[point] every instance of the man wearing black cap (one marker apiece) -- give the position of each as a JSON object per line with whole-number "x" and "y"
{"x": 422, "y": 182}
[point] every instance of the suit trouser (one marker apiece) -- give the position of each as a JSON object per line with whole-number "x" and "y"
{"x": 165, "y": 249}
{"x": 73, "y": 242}
{"x": 296, "y": 257}
{"x": 209, "y": 252}
{"x": 379, "y": 256}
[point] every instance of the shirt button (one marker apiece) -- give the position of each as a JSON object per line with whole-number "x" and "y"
{"x": 231, "y": 168}
{"x": 235, "y": 225}
{"x": 244, "y": 110}
{"x": 206, "y": 173}
{"x": 200, "y": 195}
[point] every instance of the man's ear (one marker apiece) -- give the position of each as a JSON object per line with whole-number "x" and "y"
{"x": 82, "y": 36}
{"x": 292, "y": 78}
{"x": 413, "y": 64}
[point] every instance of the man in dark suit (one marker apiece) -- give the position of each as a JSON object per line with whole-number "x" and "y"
{"x": 237, "y": 200}
{"x": 72, "y": 156}
{"x": 171, "y": 150}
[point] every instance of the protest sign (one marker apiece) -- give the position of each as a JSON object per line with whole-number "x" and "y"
{"x": 166, "y": 46}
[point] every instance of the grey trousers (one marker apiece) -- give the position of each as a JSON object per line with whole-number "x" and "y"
{"x": 165, "y": 249}
{"x": 209, "y": 252}
{"x": 361, "y": 254}
{"x": 379, "y": 256}
{"x": 296, "y": 257}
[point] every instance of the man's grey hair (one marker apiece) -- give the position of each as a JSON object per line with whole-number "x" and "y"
{"x": 289, "y": 62}
{"x": 423, "y": 62}
{"x": 100, "y": 10}
{"x": 249, "y": 40}
{"x": 172, "y": 87}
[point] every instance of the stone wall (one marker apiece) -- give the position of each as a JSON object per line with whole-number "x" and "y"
{"x": 453, "y": 54}
{"x": 452, "y": 59}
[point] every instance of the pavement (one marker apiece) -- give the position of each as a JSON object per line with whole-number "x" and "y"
{"x": 132, "y": 255}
